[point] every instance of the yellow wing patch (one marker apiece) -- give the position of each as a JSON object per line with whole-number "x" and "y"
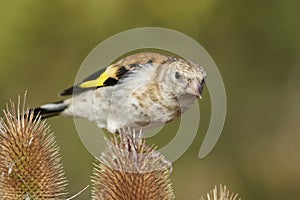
{"x": 95, "y": 83}
{"x": 110, "y": 72}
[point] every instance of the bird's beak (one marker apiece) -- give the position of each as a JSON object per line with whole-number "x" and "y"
{"x": 195, "y": 88}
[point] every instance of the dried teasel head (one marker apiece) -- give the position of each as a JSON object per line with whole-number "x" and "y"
{"x": 30, "y": 165}
{"x": 130, "y": 169}
{"x": 222, "y": 194}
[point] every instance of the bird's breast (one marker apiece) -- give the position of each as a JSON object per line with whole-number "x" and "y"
{"x": 143, "y": 106}
{"x": 151, "y": 104}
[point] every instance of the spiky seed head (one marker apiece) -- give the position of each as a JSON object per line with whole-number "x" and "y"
{"x": 222, "y": 194}
{"x": 30, "y": 165}
{"x": 130, "y": 169}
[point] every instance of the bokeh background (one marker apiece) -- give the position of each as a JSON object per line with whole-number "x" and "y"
{"x": 255, "y": 44}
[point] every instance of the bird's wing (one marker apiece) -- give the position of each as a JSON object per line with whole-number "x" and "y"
{"x": 108, "y": 76}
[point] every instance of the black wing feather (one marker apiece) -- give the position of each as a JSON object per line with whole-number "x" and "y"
{"x": 122, "y": 70}
{"x": 76, "y": 89}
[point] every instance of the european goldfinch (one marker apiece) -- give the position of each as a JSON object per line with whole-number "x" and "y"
{"x": 138, "y": 91}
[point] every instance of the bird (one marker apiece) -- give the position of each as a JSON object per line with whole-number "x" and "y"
{"x": 140, "y": 91}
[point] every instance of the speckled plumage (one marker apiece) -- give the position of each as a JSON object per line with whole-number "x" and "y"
{"x": 144, "y": 90}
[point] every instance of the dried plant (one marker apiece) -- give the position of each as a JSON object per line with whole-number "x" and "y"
{"x": 222, "y": 194}
{"x": 129, "y": 169}
{"x": 29, "y": 158}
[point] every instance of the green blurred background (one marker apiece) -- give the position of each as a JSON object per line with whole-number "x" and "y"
{"x": 254, "y": 43}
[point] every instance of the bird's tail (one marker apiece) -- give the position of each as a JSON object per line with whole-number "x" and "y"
{"x": 49, "y": 110}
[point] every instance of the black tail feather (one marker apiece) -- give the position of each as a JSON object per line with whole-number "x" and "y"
{"x": 43, "y": 113}
{"x": 48, "y": 110}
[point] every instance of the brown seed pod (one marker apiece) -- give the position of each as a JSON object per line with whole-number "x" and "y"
{"x": 30, "y": 165}
{"x": 130, "y": 169}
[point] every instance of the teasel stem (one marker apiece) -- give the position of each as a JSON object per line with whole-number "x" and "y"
{"x": 30, "y": 165}
{"x": 129, "y": 169}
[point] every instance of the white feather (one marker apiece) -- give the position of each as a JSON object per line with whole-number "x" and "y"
{"x": 53, "y": 106}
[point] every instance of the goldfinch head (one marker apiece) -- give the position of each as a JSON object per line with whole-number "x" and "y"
{"x": 185, "y": 78}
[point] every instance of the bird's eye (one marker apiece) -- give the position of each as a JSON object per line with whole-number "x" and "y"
{"x": 177, "y": 75}
{"x": 202, "y": 82}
